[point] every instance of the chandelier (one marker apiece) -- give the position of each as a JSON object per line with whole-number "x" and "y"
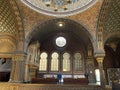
{"x": 59, "y": 4}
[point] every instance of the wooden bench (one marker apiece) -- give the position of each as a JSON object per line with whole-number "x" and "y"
{"x": 81, "y": 81}
{"x": 44, "y": 80}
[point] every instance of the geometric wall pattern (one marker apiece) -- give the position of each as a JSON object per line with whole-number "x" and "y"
{"x": 8, "y": 27}
{"x": 7, "y": 18}
{"x": 112, "y": 18}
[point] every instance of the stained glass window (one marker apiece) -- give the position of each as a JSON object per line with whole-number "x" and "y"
{"x": 78, "y": 65}
{"x": 66, "y": 62}
{"x": 43, "y": 62}
{"x": 54, "y": 62}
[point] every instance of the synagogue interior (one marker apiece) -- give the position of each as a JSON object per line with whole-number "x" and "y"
{"x": 59, "y": 44}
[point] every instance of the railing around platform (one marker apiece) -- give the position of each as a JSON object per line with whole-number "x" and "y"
{"x": 12, "y": 86}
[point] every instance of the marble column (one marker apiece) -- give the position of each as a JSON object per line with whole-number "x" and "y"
{"x": 102, "y": 75}
{"x": 18, "y": 68}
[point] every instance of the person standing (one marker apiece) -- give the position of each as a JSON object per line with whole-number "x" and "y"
{"x": 60, "y": 79}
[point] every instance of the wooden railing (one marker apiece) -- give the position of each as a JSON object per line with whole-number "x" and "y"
{"x": 13, "y": 86}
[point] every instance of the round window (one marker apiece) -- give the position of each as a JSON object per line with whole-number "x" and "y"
{"x": 60, "y": 41}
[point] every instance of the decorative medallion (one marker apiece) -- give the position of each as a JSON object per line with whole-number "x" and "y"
{"x": 59, "y": 7}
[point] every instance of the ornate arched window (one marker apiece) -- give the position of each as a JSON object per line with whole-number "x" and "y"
{"x": 43, "y": 62}
{"x": 78, "y": 63}
{"x": 54, "y": 61}
{"x": 66, "y": 62}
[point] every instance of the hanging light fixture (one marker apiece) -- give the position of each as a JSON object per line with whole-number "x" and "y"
{"x": 58, "y": 4}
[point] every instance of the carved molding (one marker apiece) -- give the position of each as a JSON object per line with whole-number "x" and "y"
{"x": 18, "y": 57}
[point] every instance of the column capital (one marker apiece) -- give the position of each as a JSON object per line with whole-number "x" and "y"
{"x": 100, "y": 59}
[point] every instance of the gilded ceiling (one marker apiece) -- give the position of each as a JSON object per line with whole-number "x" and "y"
{"x": 112, "y": 21}
{"x": 10, "y": 26}
{"x": 7, "y": 20}
{"x": 59, "y": 7}
{"x": 87, "y": 18}
{"x": 10, "y": 19}
{"x": 109, "y": 20}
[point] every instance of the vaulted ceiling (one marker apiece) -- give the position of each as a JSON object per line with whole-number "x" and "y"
{"x": 11, "y": 29}
{"x": 8, "y": 30}
{"x": 112, "y": 18}
{"x": 12, "y": 25}
{"x": 88, "y": 18}
{"x": 109, "y": 22}
{"x": 51, "y": 28}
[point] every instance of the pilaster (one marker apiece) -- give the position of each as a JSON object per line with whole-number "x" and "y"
{"x": 18, "y": 67}
{"x": 27, "y": 73}
{"x": 102, "y": 75}
{"x": 90, "y": 69}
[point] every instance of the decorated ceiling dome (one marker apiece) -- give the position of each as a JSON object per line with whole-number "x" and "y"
{"x": 59, "y": 7}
